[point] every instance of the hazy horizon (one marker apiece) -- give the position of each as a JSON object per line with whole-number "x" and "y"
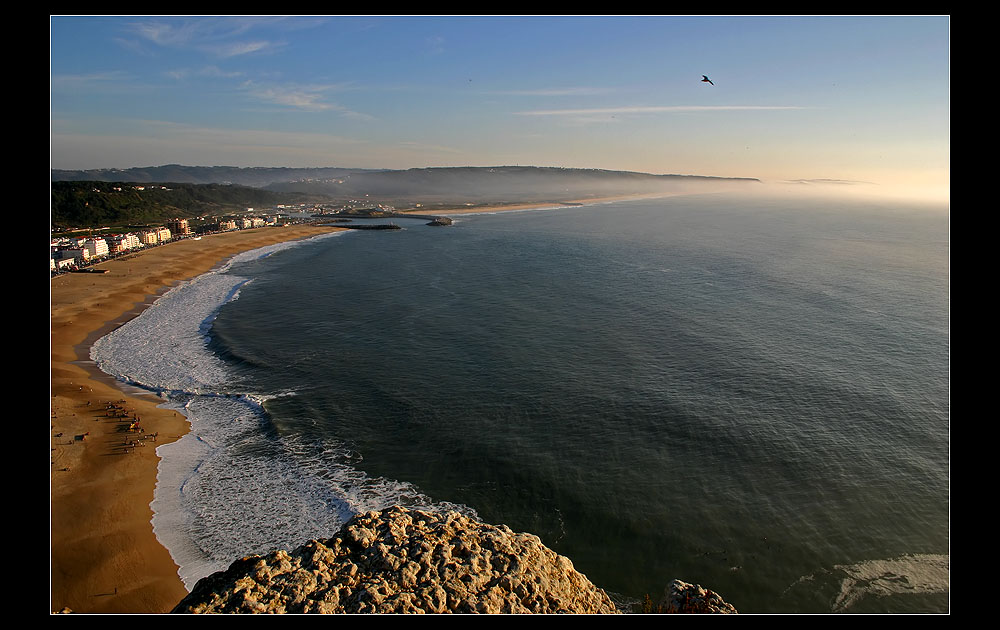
{"x": 849, "y": 99}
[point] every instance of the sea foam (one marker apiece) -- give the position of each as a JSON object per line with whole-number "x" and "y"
{"x": 231, "y": 486}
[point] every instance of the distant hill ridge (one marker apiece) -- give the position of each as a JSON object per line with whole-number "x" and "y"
{"x": 244, "y": 176}
{"x": 200, "y": 189}
{"x": 268, "y": 176}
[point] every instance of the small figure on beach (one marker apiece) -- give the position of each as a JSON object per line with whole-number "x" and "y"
{"x": 705, "y": 79}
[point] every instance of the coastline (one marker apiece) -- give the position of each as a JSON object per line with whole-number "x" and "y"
{"x": 513, "y": 207}
{"x": 105, "y": 557}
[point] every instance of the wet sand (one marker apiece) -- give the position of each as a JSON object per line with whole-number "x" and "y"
{"x": 104, "y": 555}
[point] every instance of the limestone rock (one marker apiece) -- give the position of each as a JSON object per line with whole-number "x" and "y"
{"x": 404, "y": 561}
{"x": 681, "y": 597}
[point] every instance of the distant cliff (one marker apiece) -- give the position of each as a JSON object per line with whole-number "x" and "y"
{"x": 409, "y": 561}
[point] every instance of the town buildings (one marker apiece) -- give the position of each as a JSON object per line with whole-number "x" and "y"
{"x": 179, "y": 227}
{"x": 70, "y": 253}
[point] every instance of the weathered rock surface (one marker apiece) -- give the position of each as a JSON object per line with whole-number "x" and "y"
{"x": 404, "y": 561}
{"x": 681, "y": 597}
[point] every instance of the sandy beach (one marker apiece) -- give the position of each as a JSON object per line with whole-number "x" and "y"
{"x": 104, "y": 555}
{"x": 512, "y": 207}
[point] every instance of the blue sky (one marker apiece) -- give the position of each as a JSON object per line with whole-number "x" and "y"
{"x": 854, "y": 98}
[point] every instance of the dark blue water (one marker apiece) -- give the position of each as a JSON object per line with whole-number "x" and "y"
{"x": 750, "y": 394}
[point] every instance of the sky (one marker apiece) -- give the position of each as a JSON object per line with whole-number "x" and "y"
{"x": 852, "y": 98}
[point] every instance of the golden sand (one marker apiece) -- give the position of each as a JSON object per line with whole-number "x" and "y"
{"x": 105, "y": 557}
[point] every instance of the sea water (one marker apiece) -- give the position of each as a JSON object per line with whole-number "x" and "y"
{"x": 749, "y": 393}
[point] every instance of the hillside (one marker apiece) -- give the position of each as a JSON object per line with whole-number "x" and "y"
{"x": 95, "y": 203}
{"x": 255, "y": 177}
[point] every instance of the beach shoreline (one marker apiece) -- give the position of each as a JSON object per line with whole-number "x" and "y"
{"x": 104, "y": 555}
{"x": 535, "y": 205}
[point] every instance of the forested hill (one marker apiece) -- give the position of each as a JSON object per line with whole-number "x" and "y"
{"x": 258, "y": 177}
{"x": 93, "y": 203}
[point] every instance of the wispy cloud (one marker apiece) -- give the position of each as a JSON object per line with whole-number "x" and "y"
{"x": 222, "y": 37}
{"x": 235, "y": 49}
{"x": 567, "y": 91}
{"x": 77, "y": 81}
{"x": 310, "y": 98}
{"x": 605, "y": 111}
{"x": 213, "y": 72}
{"x": 435, "y": 45}
{"x": 162, "y": 142}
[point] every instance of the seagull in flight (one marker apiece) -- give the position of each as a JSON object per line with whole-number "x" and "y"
{"x": 705, "y": 79}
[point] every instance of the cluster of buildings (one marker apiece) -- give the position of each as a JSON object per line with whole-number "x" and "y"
{"x": 72, "y": 253}
{"x": 244, "y": 223}
{"x": 69, "y": 253}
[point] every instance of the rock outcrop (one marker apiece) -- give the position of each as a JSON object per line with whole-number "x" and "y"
{"x": 410, "y": 561}
{"x": 681, "y": 597}
{"x": 404, "y": 561}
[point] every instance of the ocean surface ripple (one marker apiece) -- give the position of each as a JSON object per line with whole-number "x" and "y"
{"x": 751, "y": 394}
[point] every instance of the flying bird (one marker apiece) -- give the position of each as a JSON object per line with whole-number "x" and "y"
{"x": 705, "y": 79}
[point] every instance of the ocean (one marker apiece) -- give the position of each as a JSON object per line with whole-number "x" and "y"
{"x": 746, "y": 392}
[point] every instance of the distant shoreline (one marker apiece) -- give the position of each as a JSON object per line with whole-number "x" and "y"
{"x": 493, "y": 207}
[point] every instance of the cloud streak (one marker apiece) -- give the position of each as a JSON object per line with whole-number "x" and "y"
{"x": 79, "y": 81}
{"x": 308, "y": 98}
{"x": 222, "y": 38}
{"x": 570, "y": 91}
{"x": 664, "y": 109}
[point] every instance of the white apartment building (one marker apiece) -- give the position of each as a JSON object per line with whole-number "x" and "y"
{"x": 61, "y": 263}
{"x": 124, "y": 242}
{"x": 152, "y": 237}
{"x": 96, "y": 247}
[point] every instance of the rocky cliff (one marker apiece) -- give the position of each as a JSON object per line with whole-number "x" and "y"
{"x": 409, "y": 561}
